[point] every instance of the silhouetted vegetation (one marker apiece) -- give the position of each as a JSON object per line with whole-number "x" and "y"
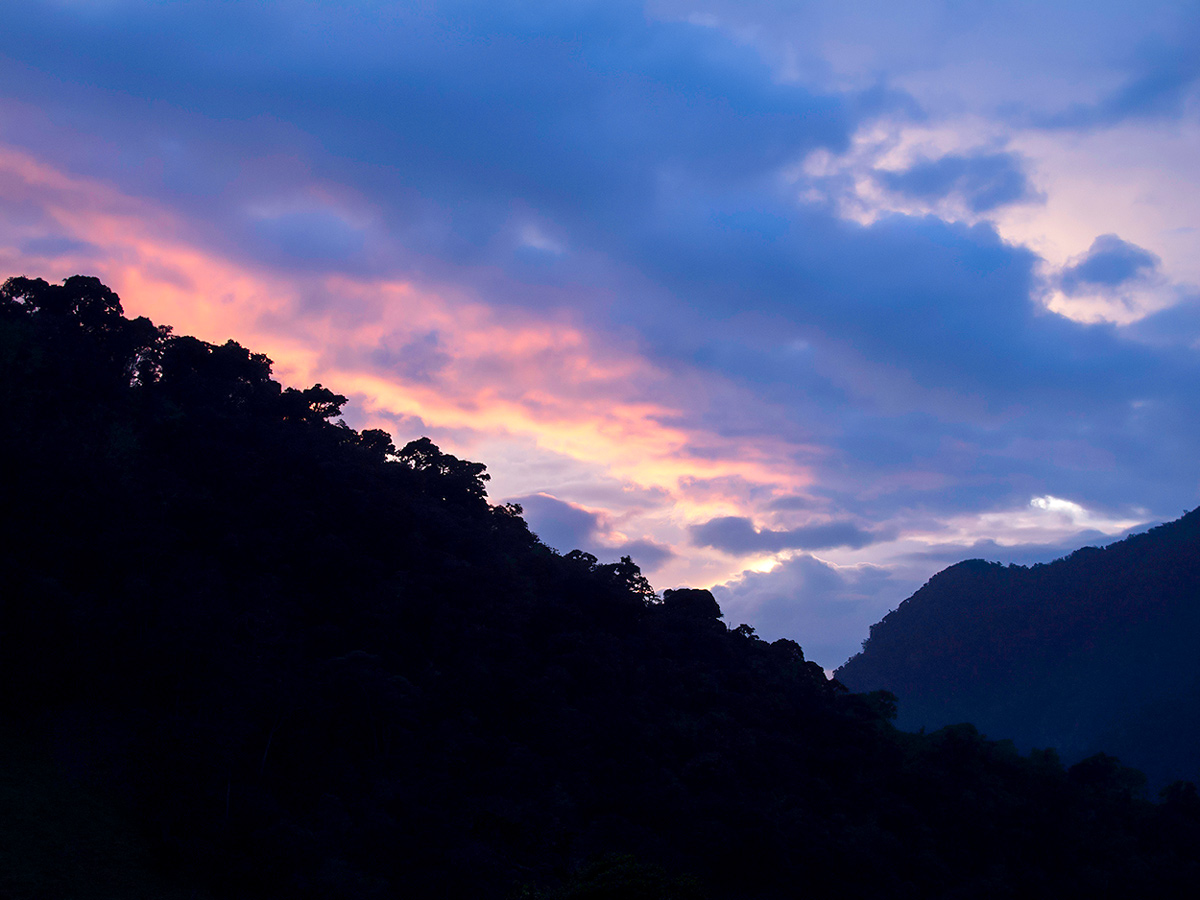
{"x": 311, "y": 664}
{"x": 1092, "y": 653}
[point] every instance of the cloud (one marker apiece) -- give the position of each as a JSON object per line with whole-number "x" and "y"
{"x": 790, "y": 501}
{"x": 737, "y": 535}
{"x": 652, "y": 149}
{"x": 420, "y": 358}
{"x": 313, "y": 238}
{"x": 981, "y": 182}
{"x": 1161, "y": 80}
{"x": 1178, "y": 325}
{"x": 827, "y": 609}
{"x": 1114, "y": 280}
{"x": 996, "y": 60}
{"x": 58, "y": 245}
{"x": 908, "y": 313}
{"x": 566, "y": 526}
{"x": 450, "y": 113}
{"x": 559, "y": 524}
{"x": 448, "y": 360}
{"x": 1109, "y": 263}
{"x": 648, "y": 554}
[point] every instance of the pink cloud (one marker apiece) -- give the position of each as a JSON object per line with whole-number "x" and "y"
{"x": 489, "y": 375}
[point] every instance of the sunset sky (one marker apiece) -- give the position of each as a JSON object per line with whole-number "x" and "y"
{"x": 799, "y": 301}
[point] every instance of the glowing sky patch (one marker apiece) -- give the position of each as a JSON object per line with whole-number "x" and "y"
{"x": 530, "y": 377}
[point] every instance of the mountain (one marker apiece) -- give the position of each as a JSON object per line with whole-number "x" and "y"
{"x": 1093, "y": 652}
{"x": 283, "y": 658}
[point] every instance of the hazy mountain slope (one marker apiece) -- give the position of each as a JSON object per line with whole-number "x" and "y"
{"x": 308, "y": 664}
{"x": 1096, "y": 651}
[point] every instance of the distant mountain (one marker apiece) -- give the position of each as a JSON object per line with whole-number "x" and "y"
{"x": 296, "y": 661}
{"x": 1098, "y": 651}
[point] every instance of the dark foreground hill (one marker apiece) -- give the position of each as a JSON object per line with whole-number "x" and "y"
{"x": 304, "y": 663}
{"x": 1093, "y": 652}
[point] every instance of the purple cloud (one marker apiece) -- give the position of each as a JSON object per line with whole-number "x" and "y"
{"x": 737, "y": 535}
{"x": 983, "y": 181}
{"x": 1110, "y": 262}
{"x": 566, "y": 526}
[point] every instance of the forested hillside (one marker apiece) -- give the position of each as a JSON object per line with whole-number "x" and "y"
{"x": 308, "y": 663}
{"x": 1093, "y": 652}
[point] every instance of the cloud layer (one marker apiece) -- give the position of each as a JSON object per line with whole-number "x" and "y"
{"x": 737, "y": 535}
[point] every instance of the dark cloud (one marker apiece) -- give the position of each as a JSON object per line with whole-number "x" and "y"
{"x": 565, "y": 527}
{"x": 1110, "y": 262}
{"x": 951, "y": 386}
{"x": 420, "y": 359}
{"x": 948, "y": 305}
{"x": 649, "y": 555}
{"x": 791, "y": 502}
{"x": 445, "y": 115}
{"x": 1177, "y": 325}
{"x": 737, "y": 535}
{"x": 311, "y": 239}
{"x": 983, "y": 182}
{"x": 54, "y": 245}
{"x": 561, "y": 525}
{"x": 1161, "y": 80}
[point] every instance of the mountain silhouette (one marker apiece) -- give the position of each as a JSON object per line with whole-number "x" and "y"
{"x": 297, "y": 661}
{"x": 1095, "y": 652}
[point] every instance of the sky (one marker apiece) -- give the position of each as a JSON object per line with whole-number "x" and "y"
{"x": 801, "y": 302}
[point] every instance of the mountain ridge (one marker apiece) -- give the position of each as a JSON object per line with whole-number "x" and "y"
{"x": 1066, "y": 654}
